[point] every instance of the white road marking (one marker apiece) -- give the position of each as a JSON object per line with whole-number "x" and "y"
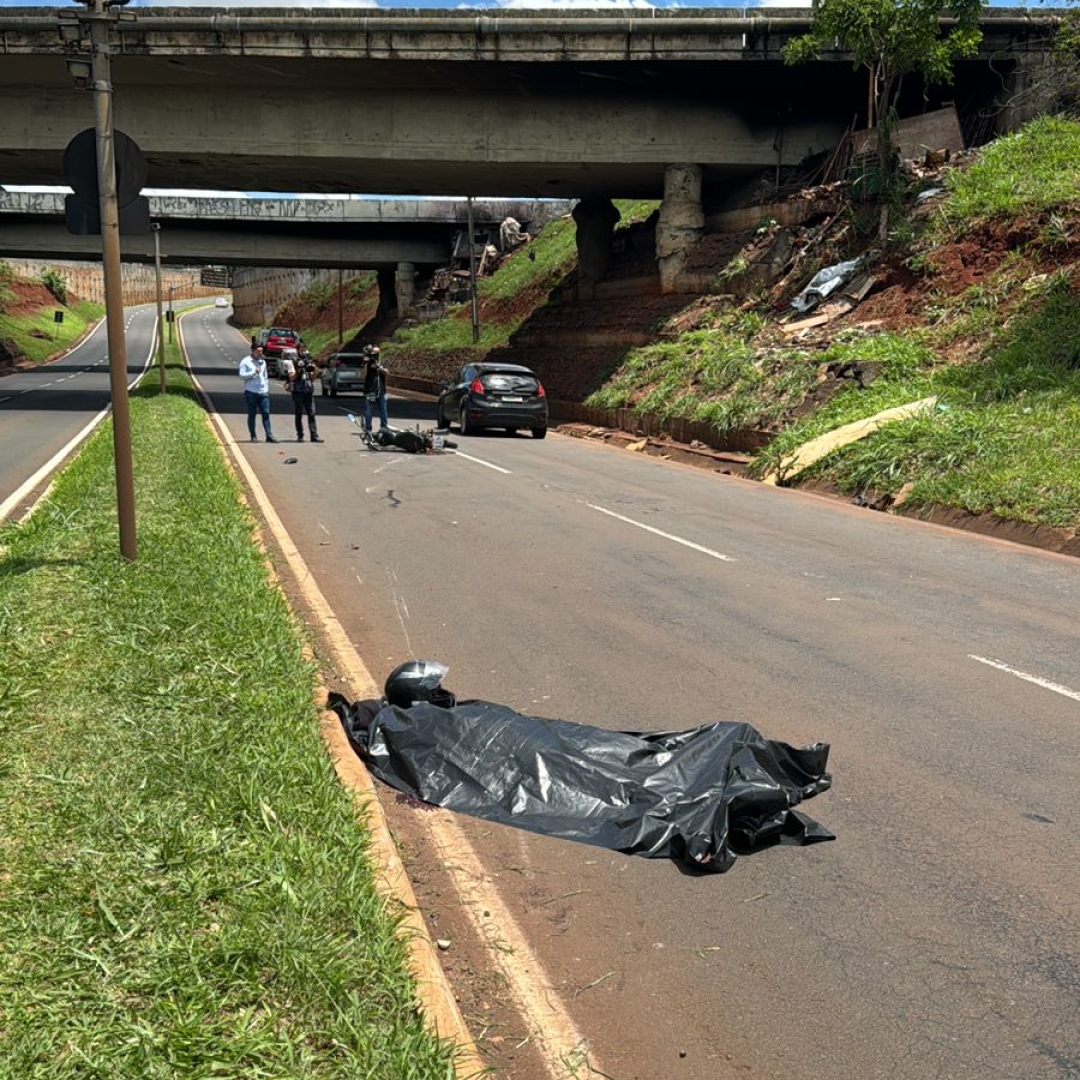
{"x": 481, "y": 461}
{"x": 665, "y": 535}
{"x": 1046, "y": 684}
{"x": 28, "y": 485}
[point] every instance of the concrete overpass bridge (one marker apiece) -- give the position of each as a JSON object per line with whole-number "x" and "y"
{"x": 375, "y": 234}
{"x": 678, "y": 104}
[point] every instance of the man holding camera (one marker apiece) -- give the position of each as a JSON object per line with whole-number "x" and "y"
{"x": 374, "y": 387}
{"x": 302, "y": 388}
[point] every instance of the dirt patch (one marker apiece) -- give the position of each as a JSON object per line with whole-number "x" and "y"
{"x": 28, "y": 298}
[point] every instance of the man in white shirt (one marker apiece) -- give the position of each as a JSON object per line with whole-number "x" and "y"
{"x": 256, "y": 392}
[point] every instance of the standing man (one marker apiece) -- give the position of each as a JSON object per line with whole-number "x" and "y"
{"x": 374, "y": 388}
{"x": 256, "y": 392}
{"x": 302, "y": 388}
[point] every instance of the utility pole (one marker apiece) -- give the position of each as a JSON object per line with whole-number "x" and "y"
{"x": 472, "y": 277}
{"x": 156, "y": 228}
{"x": 171, "y": 287}
{"x": 340, "y": 308}
{"x": 101, "y": 75}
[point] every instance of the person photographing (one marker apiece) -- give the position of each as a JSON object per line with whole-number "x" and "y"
{"x": 302, "y": 387}
{"x": 374, "y": 387}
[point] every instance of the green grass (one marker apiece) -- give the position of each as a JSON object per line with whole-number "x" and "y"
{"x": 186, "y": 890}
{"x": 532, "y": 270}
{"x": 38, "y": 337}
{"x": 1005, "y": 438}
{"x": 1033, "y": 169}
{"x": 711, "y": 375}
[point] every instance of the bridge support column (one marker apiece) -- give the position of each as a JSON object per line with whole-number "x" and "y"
{"x": 681, "y": 223}
{"x": 405, "y": 286}
{"x": 387, "y": 298}
{"x": 595, "y": 220}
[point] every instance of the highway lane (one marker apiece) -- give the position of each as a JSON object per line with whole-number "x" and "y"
{"x": 937, "y": 937}
{"x": 43, "y": 409}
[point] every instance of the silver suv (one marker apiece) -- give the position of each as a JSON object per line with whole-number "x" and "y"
{"x": 343, "y": 374}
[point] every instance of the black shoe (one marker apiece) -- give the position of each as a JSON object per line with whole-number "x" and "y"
{"x": 254, "y": 438}
{"x": 270, "y": 438}
{"x": 315, "y": 438}
{"x": 300, "y": 438}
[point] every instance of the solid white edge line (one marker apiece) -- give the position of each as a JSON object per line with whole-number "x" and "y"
{"x": 1046, "y": 684}
{"x": 667, "y": 536}
{"x": 50, "y": 466}
{"x": 562, "y": 1047}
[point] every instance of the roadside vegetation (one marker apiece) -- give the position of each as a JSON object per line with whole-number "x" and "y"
{"x": 27, "y": 319}
{"x": 186, "y": 889}
{"x": 522, "y": 283}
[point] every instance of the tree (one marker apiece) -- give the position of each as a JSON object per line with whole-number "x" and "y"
{"x": 890, "y": 39}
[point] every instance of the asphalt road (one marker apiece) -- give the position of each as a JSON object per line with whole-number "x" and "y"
{"x": 937, "y": 937}
{"x": 44, "y": 410}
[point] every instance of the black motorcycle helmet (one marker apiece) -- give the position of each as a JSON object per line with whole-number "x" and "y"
{"x": 418, "y": 680}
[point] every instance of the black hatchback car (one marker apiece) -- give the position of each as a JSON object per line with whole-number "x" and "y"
{"x": 494, "y": 395}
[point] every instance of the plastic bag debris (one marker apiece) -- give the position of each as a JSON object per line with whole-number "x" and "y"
{"x": 825, "y": 282}
{"x": 700, "y": 796}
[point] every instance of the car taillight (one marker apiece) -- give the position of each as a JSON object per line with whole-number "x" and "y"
{"x": 477, "y": 387}
{"x": 540, "y": 390}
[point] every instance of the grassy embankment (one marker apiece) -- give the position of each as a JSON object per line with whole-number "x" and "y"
{"x": 185, "y": 889}
{"x": 1005, "y": 437}
{"x": 37, "y": 336}
{"x": 505, "y": 299}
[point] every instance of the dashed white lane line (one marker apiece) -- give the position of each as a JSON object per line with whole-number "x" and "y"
{"x": 667, "y": 536}
{"x": 481, "y": 461}
{"x": 1038, "y": 680}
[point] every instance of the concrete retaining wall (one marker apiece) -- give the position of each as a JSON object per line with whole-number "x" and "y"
{"x": 87, "y": 280}
{"x": 259, "y": 291}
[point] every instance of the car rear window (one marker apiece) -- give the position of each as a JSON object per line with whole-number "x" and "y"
{"x": 510, "y": 382}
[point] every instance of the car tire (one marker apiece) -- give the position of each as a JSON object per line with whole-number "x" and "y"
{"x": 467, "y": 428}
{"x": 333, "y": 391}
{"x": 539, "y": 432}
{"x": 511, "y": 431}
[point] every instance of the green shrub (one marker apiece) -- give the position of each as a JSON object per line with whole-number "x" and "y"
{"x": 56, "y": 283}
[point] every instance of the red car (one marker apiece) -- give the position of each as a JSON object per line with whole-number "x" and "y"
{"x": 274, "y": 341}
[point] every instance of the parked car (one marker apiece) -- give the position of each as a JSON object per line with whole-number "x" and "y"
{"x": 494, "y": 395}
{"x": 273, "y": 340}
{"x": 221, "y": 301}
{"x": 342, "y": 374}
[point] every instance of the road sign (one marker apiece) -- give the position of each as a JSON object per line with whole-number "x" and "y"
{"x": 82, "y": 215}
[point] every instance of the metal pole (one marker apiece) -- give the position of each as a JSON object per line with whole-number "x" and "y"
{"x": 171, "y": 287}
{"x": 160, "y": 320}
{"x": 114, "y": 298}
{"x": 340, "y": 308}
{"x": 472, "y": 277}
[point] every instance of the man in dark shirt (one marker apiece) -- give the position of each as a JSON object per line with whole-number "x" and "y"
{"x": 374, "y": 388}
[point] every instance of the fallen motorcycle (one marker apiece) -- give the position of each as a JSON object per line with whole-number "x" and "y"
{"x": 412, "y": 441}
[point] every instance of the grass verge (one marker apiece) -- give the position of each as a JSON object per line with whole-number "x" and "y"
{"x": 38, "y": 337}
{"x": 186, "y": 891}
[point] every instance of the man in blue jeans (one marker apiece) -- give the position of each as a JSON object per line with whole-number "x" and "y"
{"x": 256, "y": 391}
{"x": 374, "y": 388}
